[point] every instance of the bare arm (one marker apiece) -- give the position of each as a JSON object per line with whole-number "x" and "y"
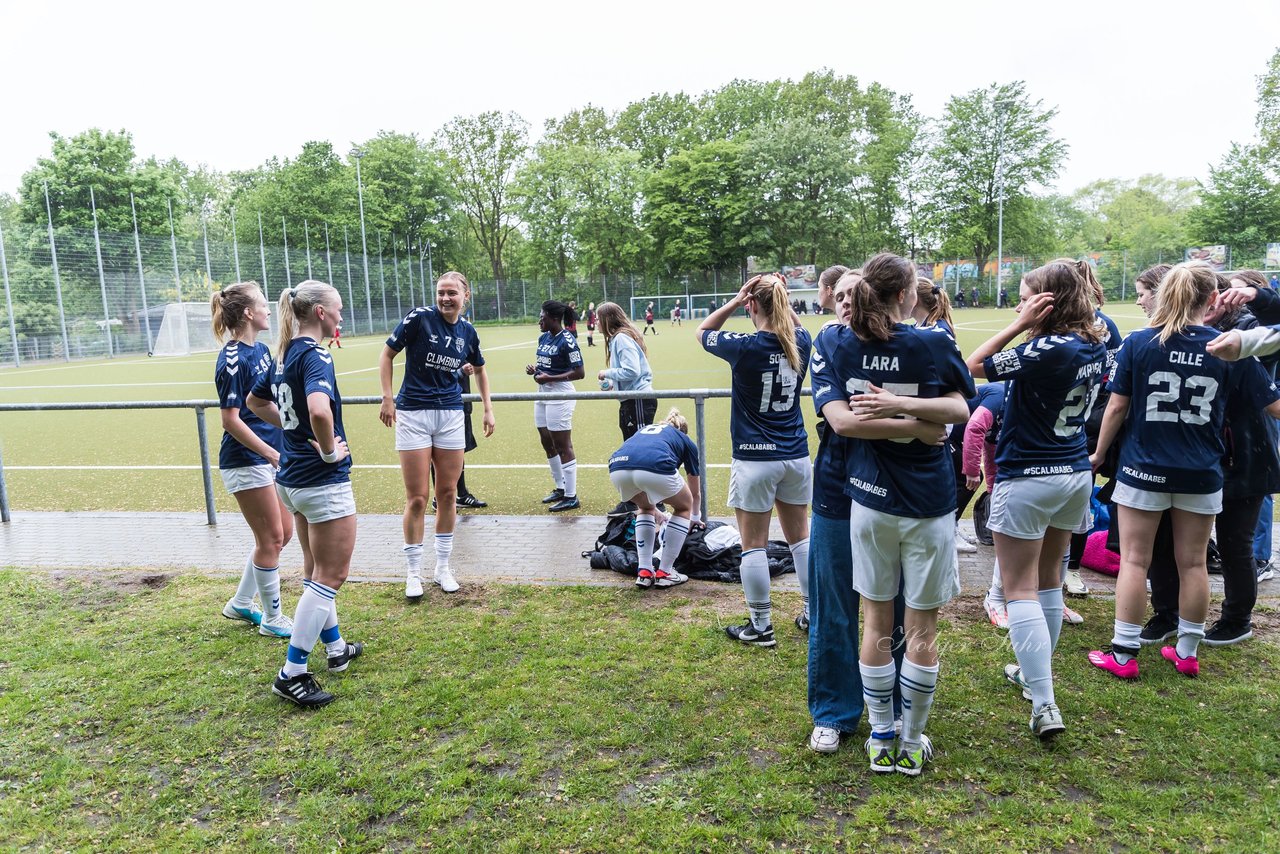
{"x": 233, "y": 424}
{"x": 716, "y": 319}
{"x": 264, "y": 409}
{"x": 845, "y": 422}
{"x": 1112, "y": 419}
{"x": 482, "y": 383}
{"x": 386, "y": 374}
{"x": 1033, "y": 311}
{"x": 878, "y": 403}
{"x": 320, "y": 414}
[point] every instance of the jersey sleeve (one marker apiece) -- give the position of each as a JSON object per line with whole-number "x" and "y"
{"x": 1253, "y": 382}
{"x": 725, "y": 345}
{"x": 1121, "y": 381}
{"x": 572, "y": 350}
{"x": 953, "y": 373}
{"x": 405, "y": 332}
{"x": 225, "y": 381}
{"x": 1026, "y": 361}
{"x": 822, "y": 372}
{"x": 474, "y": 356}
{"x": 262, "y": 386}
{"x": 318, "y": 375}
{"x": 690, "y": 457}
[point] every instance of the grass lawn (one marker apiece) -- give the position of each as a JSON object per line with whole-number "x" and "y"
{"x": 168, "y": 438}
{"x": 133, "y": 717}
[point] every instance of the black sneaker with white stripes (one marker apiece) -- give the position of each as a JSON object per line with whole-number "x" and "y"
{"x": 749, "y": 634}
{"x": 338, "y": 663}
{"x": 301, "y": 690}
{"x": 554, "y": 496}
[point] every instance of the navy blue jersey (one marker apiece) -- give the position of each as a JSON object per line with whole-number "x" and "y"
{"x": 239, "y": 366}
{"x": 765, "y": 421}
{"x": 435, "y": 350}
{"x": 829, "y": 500}
{"x": 307, "y": 367}
{"x": 1178, "y": 396}
{"x": 1110, "y": 339}
{"x": 989, "y": 396}
{"x": 659, "y": 448}
{"x": 558, "y": 353}
{"x": 904, "y": 477}
{"x": 943, "y": 325}
{"x": 1051, "y": 385}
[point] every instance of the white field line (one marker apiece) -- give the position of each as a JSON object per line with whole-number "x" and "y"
{"x": 361, "y": 466}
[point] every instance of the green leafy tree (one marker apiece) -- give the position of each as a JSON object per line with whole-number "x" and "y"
{"x": 544, "y": 197}
{"x": 1240, "y": 203}
{"x": 1268, "y": 119}
{"x": 657, "y": 127}
{"x": 605, "y": 219}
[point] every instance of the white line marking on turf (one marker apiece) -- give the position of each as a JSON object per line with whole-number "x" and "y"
{"x": 395, "y": 466}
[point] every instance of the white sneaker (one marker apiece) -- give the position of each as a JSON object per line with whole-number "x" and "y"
{"x": 1071, "y": 617}
{"x": 413, "y": 587}
{"x": 1075, "y": 584}
{"x": 279, "y": 626}
{"x": 961, "y": 535}
{"x": 963, "y": 545}
{"x": 445, "y": 579}
{"x": 1047, "y": 722}
{"x": 996, "y": 613}
{"x": 824, "y": 739}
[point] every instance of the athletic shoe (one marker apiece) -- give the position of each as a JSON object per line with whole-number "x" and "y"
{"x": 1047, "y": 724}
{"x": 555, "y": 495}
{"x": 252, "y": 614}
{"x": 961, "y": 535}
{"x": 881, "y": 754}
{"x": 445, "y": 579}
{"x": 645, "y": 578}
{"x": 567, "y": 503}
{"x": 470, "y": 500}
{"x": 1070, "y": 616}
{"x": 622, "y": 508}
{"x": 339, "y": 662}
{"x": 279, "y": 626}
{"x": 824, "y": 739}
{"x": 669, "y": 578}
{"x": 1189, "y": 666}
{"x": 1074, "y": 584}
{"x": 1107, "y": 661}
{"x": 1159, "y": 629}
{"x": 1226, "y": 634}
{"x": 802, "y": 623}
{"x": 997, "y": 614}
{"x": 963, "y": 544}
{"x": 413, "y": 587}
{"x": 1013, "y": 673}
{"x": 912, "y": 762}
{"x": 1266, "y": 571}
{"x": 301, "y": 690}
{"x": 749, "y": 634}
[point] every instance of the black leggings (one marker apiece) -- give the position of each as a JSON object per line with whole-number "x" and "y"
{"x": 634, "y": 414}
{"x": 1234, "y": 527}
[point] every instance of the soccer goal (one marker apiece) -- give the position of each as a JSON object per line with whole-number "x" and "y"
{"x": 700, "y": 305}
{"x": 661, "y": 307}
{"x": 186, "y": 328}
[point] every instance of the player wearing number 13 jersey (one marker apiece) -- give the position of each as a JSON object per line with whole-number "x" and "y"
{"x": 770, "y": 447}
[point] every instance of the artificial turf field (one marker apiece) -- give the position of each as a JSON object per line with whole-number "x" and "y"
{"x": 78, "y": 445}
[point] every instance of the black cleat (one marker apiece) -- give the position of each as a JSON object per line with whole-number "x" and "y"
{"x": 749, "y": 635}
{"x": 470, "y": 500}
{"x": 301, "y": 690}
{"x": 338, "y": 663}
{"x": 557, "y": 494}
{"x": 802, "y": 623}
{"x": 569, "y": 502}
{"x": 622, "y": 509}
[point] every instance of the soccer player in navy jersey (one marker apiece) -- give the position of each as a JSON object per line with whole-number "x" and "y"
{"x": 645, "y": 471}
{"x": 559, "y": 365}
{"x": 250, "y": 454}
{"x": 1171, "y": 393}
{"x": 301, "y": 396}
{"x": 890, "y": 388}
{"x": 429, "y": 421}
{"x": 1043, "y": 475}
{"x": 770, "y": 467}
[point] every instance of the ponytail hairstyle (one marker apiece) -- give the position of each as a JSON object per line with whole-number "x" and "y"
{"x": 1185, "y": 291}
{"x": 298, "y": 306}
{"x": 455, "y": 276}
{"x": 935, "y": 301}
{"x": 1090, "y": 279}
{"x": 884, "y": 278}
{"x": 1152, "y": 276}
{"x": 828, "y": 278}
{"x": 768, "y": 295}
{"x": 554, "y": 310}
{"x": 613, "y": 322}
{"x": 228, "y": 306}
{"x": 1073, "y": 300}
{"x": 676, "y": 420}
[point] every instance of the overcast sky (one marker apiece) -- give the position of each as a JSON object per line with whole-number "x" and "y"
{"x": 1140, "y": 87}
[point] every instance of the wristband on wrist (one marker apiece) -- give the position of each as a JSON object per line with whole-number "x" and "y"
{"x": 331, "y": 457}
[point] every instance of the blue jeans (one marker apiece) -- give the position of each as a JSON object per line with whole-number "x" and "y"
{"x": 1262, "y": 533}
{"x": 835, "y": 686}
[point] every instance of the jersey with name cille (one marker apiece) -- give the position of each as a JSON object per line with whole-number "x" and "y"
{"x": 307, "y": 367}
{"x": 1051, "y": 384}
{"x": 765, "y": 421}
{"x": 904, "y": 477}
{"x": 829, "y": 500}
{"x": 239, "y": 366}
{"x": 558, "y": 353}
{"x": 1178, "y": 398}
{"x": 434, "y": 351}
{"x": 659, "y": 448}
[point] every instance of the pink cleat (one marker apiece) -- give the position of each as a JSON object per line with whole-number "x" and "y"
{"x": 1107, "y": 661}
{"x": 1189, "y": 666}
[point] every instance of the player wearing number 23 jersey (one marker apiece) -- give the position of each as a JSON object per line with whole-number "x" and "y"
{"x": 765, "y": 421}
{"x": 307, "y": 367}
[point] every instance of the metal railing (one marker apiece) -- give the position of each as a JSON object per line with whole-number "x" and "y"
{"x": 699, "y": 396}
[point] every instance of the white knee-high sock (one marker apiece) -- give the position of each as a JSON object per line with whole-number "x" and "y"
{"x": 313, "y": 611}
{"x": 755, "y": 586}
{"x": 248, "y": 585}
{"x": 877, "y": 694}
{"x": 1051, "y": 604}
{"x": 673, "y": 541}
{"x": 1126, "y": 641}
{"x": 1029, "y": 635}
{"x": 1189, "y": 636}
{"x": 918, "y": 683}
{"x": 413, "y": 559}
{"x": 267, "y": 579}
{"x": 444, "y": 551}
{"x": 329, "y": 635}
{"x": 646, "y": 533}
{"x": 570, "y": 470}
{"x": 800, "y": 556}
{"x": 996, "y": 593}
{"x": 557, "y": 471}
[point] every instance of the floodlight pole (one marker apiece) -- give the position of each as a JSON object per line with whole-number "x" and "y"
{"x": 8, "y": 302}
{"x": 306, "y": 233}
{"x": 235, "y": 244}
{"x": 57, "y": 277}
{"x": 364, "y": 241}
{"x": 142, "y": 276}
{"x": 102, "y": 276}
{"x": 262, "y": 255}
{"x": 173, "y": 246}
{"x": 288, "y": 274}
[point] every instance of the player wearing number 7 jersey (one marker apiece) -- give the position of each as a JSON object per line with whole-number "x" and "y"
{"x": 1171, "y": 394}
{"x": 1043, "y": 477}
{"x": 770, "y": 447}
